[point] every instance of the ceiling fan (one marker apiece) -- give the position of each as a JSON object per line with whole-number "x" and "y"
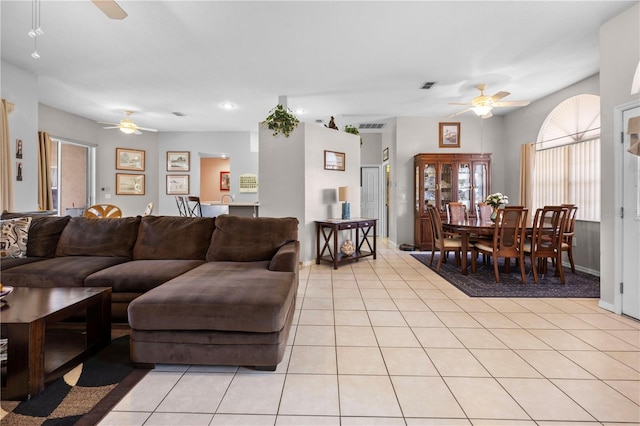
{"x": 110, "y": 8}
{"x": 483, "y": 104}
{"x": 127, "y": 125}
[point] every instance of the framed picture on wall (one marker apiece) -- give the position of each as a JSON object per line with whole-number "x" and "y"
{"x": 129, "y": 159}
{"x": 449, "y": 135}
{"x": 127, "y": 184}
{"x": 177, "y": 184}
{"x": 178, "y": 161}
{"x": 334, "y": 160}
{"x": 225, "y": 181}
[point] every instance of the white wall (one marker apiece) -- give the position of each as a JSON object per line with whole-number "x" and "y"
{"x": 294, "y": 183}
{"x": 21, "y": 89}
{"x": 371, "y": 148}
{"x": 619, "y": 56}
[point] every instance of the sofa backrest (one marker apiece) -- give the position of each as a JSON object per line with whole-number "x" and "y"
{"x": 44, "y": 234}
{"x": 249, "y": 239}
{"x": 99, "y": 237}
{"x": 173, "y": 237}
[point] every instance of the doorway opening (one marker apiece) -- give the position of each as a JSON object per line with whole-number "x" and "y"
{"x": 72, "y": 176}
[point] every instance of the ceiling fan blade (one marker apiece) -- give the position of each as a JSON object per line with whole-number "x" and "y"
{"x": 104, "y": 122}
{"x": 147, "y": 129}
{"x": 458, "y": 113}
{"x": 112, "y": 127}
{"x": 460, "y": 103}
{"x": 511, "y": 103}
{"x": 499, "y": 96}
{"x": 110, "y": 8}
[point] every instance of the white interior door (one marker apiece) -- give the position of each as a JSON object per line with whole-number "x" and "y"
{"x": 631, "y": 225}
{"x": 370, "y": 197}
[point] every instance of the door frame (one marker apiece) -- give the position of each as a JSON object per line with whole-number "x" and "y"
{"x": 382, "y": 220}
{"x": 618, "y": 128}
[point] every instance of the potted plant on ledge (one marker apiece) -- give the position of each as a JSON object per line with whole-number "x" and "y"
{"x": 281, "y": 120}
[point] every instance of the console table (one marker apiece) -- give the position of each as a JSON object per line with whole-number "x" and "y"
{"x": 327, "y": 230}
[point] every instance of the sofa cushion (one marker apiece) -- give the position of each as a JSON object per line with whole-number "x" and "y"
{"x": 139, "y": 276}
{"x": 227, "y": 296}
{"x": 173, "y": 237}
{"x": 12, "y": 262}
{"x": 99, "y": 237}
{"x": 44, "y": 234}
{"x": 13, "y": 237}
{"x": 68, "y": 271}
{"x": 248, "y": 239}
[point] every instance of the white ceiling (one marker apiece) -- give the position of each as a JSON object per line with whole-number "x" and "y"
{"x": 360, "y": 61}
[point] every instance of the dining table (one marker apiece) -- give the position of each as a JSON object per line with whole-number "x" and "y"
{"x": 466, "y": 227}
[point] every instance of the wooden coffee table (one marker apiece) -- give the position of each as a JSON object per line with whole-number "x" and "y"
{"x": 40, "y": 348}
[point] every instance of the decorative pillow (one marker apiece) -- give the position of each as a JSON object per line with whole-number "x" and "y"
{"x": 13, "y": 237}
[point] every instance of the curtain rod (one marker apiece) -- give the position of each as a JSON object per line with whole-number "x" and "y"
{"x": 573, "y": 134}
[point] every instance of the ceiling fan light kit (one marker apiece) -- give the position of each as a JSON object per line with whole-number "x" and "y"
{"x": 127, "y": 125}
{"x": 483, "y": 105}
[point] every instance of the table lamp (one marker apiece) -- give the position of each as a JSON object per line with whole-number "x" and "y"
{"x": 343, "y": 195}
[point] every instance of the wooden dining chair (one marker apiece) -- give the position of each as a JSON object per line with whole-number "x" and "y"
{"x": 443, "y": 241}
{"x": 546, "y": 240}
{"x": 507, "y": 242}
{"x": 483, "y": 211}
{"x": 568, "y": 233}
{"x": 103, "y": 211}
{"x": 457, "y": 212}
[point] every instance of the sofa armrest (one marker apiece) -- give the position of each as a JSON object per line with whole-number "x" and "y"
{"x": 286, "y": 258}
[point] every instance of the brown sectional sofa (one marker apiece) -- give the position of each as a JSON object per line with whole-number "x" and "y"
{"x": 195, "y": 290}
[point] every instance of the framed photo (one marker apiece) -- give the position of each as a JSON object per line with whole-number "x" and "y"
{"x": 334, "y": 160}
{"x": 129, "y": 159}
{"x": 127, "y": 184}
{"x": 19, "y": 149}
{"x": 225, "y": 181}
{"x": 449, "y": 135}
{"x": 177, "y": 184}
{"x": 385, "y": 154}
{"x": 178, "y": 161}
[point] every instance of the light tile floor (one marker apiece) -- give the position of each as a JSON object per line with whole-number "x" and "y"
{"x": 389, "y": 342}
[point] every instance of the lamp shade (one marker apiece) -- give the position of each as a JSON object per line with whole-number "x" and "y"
{"x": 343, "y": 193}
{"x": 633, "y": 128}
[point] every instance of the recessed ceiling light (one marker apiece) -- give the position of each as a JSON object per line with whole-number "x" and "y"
{"x": 228, "y": 105}
{"x": 300, "y": 111}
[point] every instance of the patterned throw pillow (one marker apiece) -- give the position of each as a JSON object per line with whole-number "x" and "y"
{"x": 13, "y": 237}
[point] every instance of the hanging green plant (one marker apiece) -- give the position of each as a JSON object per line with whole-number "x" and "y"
{"x": 281, "y": 120}
{"x": 353, "y": 130}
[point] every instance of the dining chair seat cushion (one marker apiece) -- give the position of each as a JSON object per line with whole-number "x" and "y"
{"x": 527, "y": 246}
{"x": 482, "y": 246}
{"x": 565, "y": 246}
{"x": 452, "y": 242}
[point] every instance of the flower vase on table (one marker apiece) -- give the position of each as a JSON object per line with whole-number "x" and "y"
{"x": 495, "y": 201}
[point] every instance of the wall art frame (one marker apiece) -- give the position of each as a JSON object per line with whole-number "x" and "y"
{"x": 334, "y": 160}
{"x": 449, "y": 135}
{"x": 225, "y": 181}
{"x": 130, "y": 184}
{"x": 178, "y": 161}
{"x": 130, "y": 159}
{"x": 177, "y": 184}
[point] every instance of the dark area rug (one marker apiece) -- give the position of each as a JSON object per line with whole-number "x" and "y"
{"x": 84, "y": 395}
{"x": 483, "y": 283}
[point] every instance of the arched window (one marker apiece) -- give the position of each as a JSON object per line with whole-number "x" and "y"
{"x": 567, "y": 162}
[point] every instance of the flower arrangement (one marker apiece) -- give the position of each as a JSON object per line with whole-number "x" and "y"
{"x": 496, "y": 200}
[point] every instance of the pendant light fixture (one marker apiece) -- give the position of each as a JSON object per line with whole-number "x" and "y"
{"x": 36, "y": 30}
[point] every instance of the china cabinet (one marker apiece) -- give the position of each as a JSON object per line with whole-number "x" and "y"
{"x": 444, "y": 178}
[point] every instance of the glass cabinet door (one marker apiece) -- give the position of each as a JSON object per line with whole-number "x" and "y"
{"x": 429, "y": 185}
{"x": 446, "y": 185}
{"x": 464, "y": 184}
{"x": 480, "y": 182}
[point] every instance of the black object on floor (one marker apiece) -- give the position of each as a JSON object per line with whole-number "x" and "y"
{"x": 483, "y": 284}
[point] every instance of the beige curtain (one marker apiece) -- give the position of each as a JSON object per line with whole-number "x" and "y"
{"x": 527, "y": 173}
{"x": 6, "y": 169}
{"x": 45, "y": 196}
